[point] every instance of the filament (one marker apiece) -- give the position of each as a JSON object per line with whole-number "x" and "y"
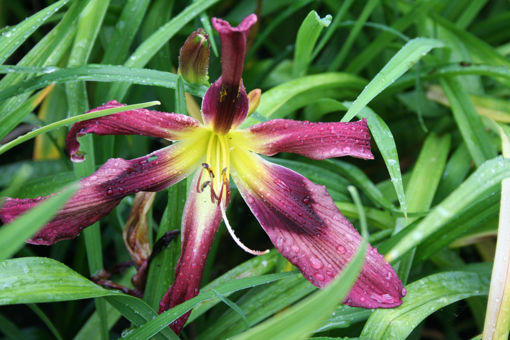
{"x": 237, "y": 240}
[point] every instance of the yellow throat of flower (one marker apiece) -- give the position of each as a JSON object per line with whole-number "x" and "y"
{"x": 216, "y": 169}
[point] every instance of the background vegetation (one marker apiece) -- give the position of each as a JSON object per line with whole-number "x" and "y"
{"x": 435, "y": 76}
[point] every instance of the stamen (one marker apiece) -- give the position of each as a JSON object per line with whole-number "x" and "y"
{"x": 236, "y": 240}
{"x": 200, "y": 178}
{"x": 204, "y": 185}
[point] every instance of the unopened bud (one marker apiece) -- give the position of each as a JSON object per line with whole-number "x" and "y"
{"x": 253, "y": 100}
{"x": 194, "y": 58}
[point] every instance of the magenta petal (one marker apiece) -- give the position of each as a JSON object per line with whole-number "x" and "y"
{"x": 233, "y": 47}
{"x": 100, "y": 192}
{"x": 313, "y": 140}
{"x": 306, "y": 227}
{"x": 134, "y": 122}
{"x": 200, "y": 222}
{"x": 225, "y": 104}
{"x": 224, "y": 107}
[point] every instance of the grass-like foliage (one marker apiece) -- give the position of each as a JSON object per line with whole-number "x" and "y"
{"x": 432, "y": 80}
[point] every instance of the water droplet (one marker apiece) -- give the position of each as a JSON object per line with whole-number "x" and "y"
{"x": 389, "y": 275}
{"x": 387, "y": 297}
{"x": 109, "y": 191}
{"x": 306, "y": 199}
{"x": 319, "y": 277}
{"x": 279, "y": 241}
{"x": 340, "y": 250}
{"x": 316, "y": 263}
{"x": 403, "y": 292}
{"x": 281, "y": 184}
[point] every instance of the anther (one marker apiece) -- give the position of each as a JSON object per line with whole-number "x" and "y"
{"x": 204, "y": 185}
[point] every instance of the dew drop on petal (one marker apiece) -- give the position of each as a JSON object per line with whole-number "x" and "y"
{"x": 387, "y": 297}
{"x": 319, "y": 277}
{"x": 403, "y": 292}
{"x": 281, "y": 184}
{"x": 340, "y": 250}
{"x": 279, "y": 241}
{"x": 316, "y": 263}
{"x": 306, "y": 199}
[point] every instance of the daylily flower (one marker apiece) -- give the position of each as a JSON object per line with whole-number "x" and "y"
{"x": 299, "y": 216}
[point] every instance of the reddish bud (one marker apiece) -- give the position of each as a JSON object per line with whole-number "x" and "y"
{"x": 194, "y": 58}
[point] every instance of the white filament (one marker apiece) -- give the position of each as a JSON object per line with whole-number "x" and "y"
{"x": 238, "y": 241}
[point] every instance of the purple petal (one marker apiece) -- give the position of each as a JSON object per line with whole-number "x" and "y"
{"x": 134, "y": 122}
{"x": 225, "y": 104}
{"x": 201, "y": 219}
{"x": 100, "y": 192}
{"x": 233, "y": 47}
{"x": 313, "y": 140}
{"x": 306, "y": 227}
{"x": 224, "y": 107}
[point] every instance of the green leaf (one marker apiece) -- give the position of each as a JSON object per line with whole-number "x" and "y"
{"x": 344, "y": 316}
{"x": 274, "y": 98}
{"x": 423, "y": 298}
{"x": 259, "y": 304}
{"x": 14, "y": 234}
{"x": 375, "y": 48}
{"x": 38, "y": 279}
{"x": 93, "y": 72}
{"x": 353, "y": 34}
{"x": 469, "y": 122}
{"x": 305, "y": 317}
{"x": 180, "y": 98}
{"x": 481, "y": 183}
{"x": 440, "y": 71}
{"x": 403, "y": 60}
{"x": 307, "y": 36}
{"x": 90, "y": 329}
{"x": 117, "y": 49}
{"x": 71, "y": 120}
{"x": 386, "y": 143}
{"x": 358, "y": 178}
{"x": 9, "y": 329}
{"x": 267, "y": 29}
{"x": 422, "y": 188}
{"x": 481, "y": 50}
{"x": 13, "y": 118}
{"x": 13, "y": 37}
{"x": 48, "y": 51}
{"x": 151, "y": 45}
{"x": 162, "y": 321}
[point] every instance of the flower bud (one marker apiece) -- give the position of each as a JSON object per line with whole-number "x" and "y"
{"x": 194, "y": 58}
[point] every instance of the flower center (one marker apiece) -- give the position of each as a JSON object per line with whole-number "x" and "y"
{"x": 216, "y": 169}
